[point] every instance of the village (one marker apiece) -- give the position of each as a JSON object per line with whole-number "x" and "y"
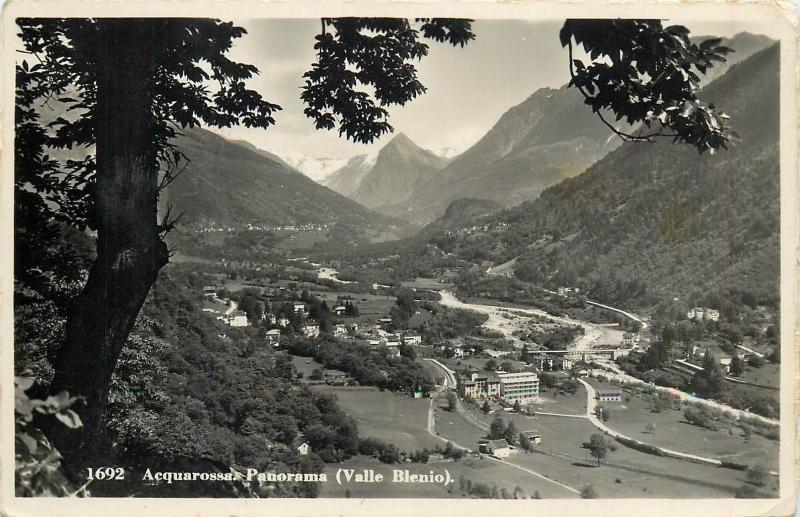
{"x": 495, "y": 395}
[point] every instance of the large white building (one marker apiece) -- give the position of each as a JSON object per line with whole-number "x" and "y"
{"x": 480, "y": 386}
{"x": 521, "y": 386}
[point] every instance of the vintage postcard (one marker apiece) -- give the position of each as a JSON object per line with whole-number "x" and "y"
{"x": 395, "y": 258}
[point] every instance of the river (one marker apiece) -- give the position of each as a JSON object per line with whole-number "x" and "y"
{"x": 508, "y": 320}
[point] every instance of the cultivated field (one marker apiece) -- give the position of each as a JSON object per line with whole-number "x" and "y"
{"x": 397, "y": 419}
{"x": 673, "y": 432}
{"x": 477, "y": 470}
{"x": 768, "y": 375}
{"x": 306, "y": 365}
{"x": 370, "y": 306}
{"x": 562, "y": 458}
{"x": 556, "y": 401}
{"x": 425, "y": 283}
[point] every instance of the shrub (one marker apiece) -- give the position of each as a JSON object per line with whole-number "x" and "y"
{"x": 37, "y": 469}
{"x": 745, "y": 492}
{"x": 757, "y": 474}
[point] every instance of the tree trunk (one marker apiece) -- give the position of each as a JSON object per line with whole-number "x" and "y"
{"x": 129, "y": 250}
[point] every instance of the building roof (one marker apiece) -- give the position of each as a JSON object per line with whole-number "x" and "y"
{"x": 609, "y": 392}
{"x": 517, "y": 375}
{"x": 497, "y": 444}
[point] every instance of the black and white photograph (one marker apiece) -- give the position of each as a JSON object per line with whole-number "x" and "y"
{"x": 393, "y": 255}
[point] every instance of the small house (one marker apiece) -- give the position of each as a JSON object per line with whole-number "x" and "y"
{"x": 340, "y": 331}
{"x": 498, "y": 448}
{"x": 609, "y": 395}
{"x": 311, "y": 329}
{"x": 236, "y": 319}
{"x": 411, "y": 338}
{"x": 273, "y": 336}
{"x": 534, "y": 436}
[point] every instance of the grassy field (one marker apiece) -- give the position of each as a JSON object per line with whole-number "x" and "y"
{"x": 397, "y": 419}
{"x": 426, "y": 283}
{"x": 554, "y": 401}
{"x": 768, "y": 375}
{"x": 673, "y": 432}
{"x": 306, "y": 365}
{"x": 370, "y": 306}
{"x": 562, "y": 458}
{"x": 300, "y": 240}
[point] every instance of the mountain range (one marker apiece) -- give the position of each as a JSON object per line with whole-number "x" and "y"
{"x": 234, "y": 182}
{"x": 347, "y": 179}
{"x": 655, "y": 222}
{"x": 549, "y": 137}
{"x": 399, "y": 167}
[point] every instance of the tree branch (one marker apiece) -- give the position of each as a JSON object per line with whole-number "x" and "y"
{"x": 626, "y": 137}
{"x": 167, "y": 224}
{"x": 169, "y": 177}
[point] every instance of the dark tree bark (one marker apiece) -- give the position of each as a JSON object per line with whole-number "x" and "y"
{"x": 130, "y": 252}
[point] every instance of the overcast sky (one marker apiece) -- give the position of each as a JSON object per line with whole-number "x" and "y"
{"x": 468, "y": 88}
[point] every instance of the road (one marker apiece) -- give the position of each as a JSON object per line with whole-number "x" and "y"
{"x": 613, "y": 372}
{"x": 591, "y": 405}
{"x": 610, "y": 308}
{"x": 450, "y": 380}
{"x": 619, "y": 311}
{"x": 506, "y": 326}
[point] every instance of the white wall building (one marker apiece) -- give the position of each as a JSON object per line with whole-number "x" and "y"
{"x": 521, "y": 386}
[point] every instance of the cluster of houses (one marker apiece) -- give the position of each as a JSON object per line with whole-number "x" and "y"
{"x": 702, "y": 313}
{"x": 630, "y": 339}
{"x": 492, "y": 227}
{"x": 230, "y": 316}
{"x": 693, "y": 351}
{"x": 392, "y": 341}
{"x": 236, "y": 318}
{"x": 213, "y": 228}
{"x": 508, "y": 387}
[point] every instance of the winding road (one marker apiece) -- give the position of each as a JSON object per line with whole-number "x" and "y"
{"x": 450, "y": 380}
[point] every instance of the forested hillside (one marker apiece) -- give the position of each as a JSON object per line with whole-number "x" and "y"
{"x": 547, "y": 138}
{"x": 226, "y": 182}
{"x": 656, "y": 221}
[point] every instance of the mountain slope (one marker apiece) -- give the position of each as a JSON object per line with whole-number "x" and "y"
{"x": 549, "y": 137}
{"x": 226, "y": 182}
{"x": 652, "y": 222}
{"x": 400, "y": 165}
{"x": 266, "y": 154}
{"x": 347, "y": 179}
